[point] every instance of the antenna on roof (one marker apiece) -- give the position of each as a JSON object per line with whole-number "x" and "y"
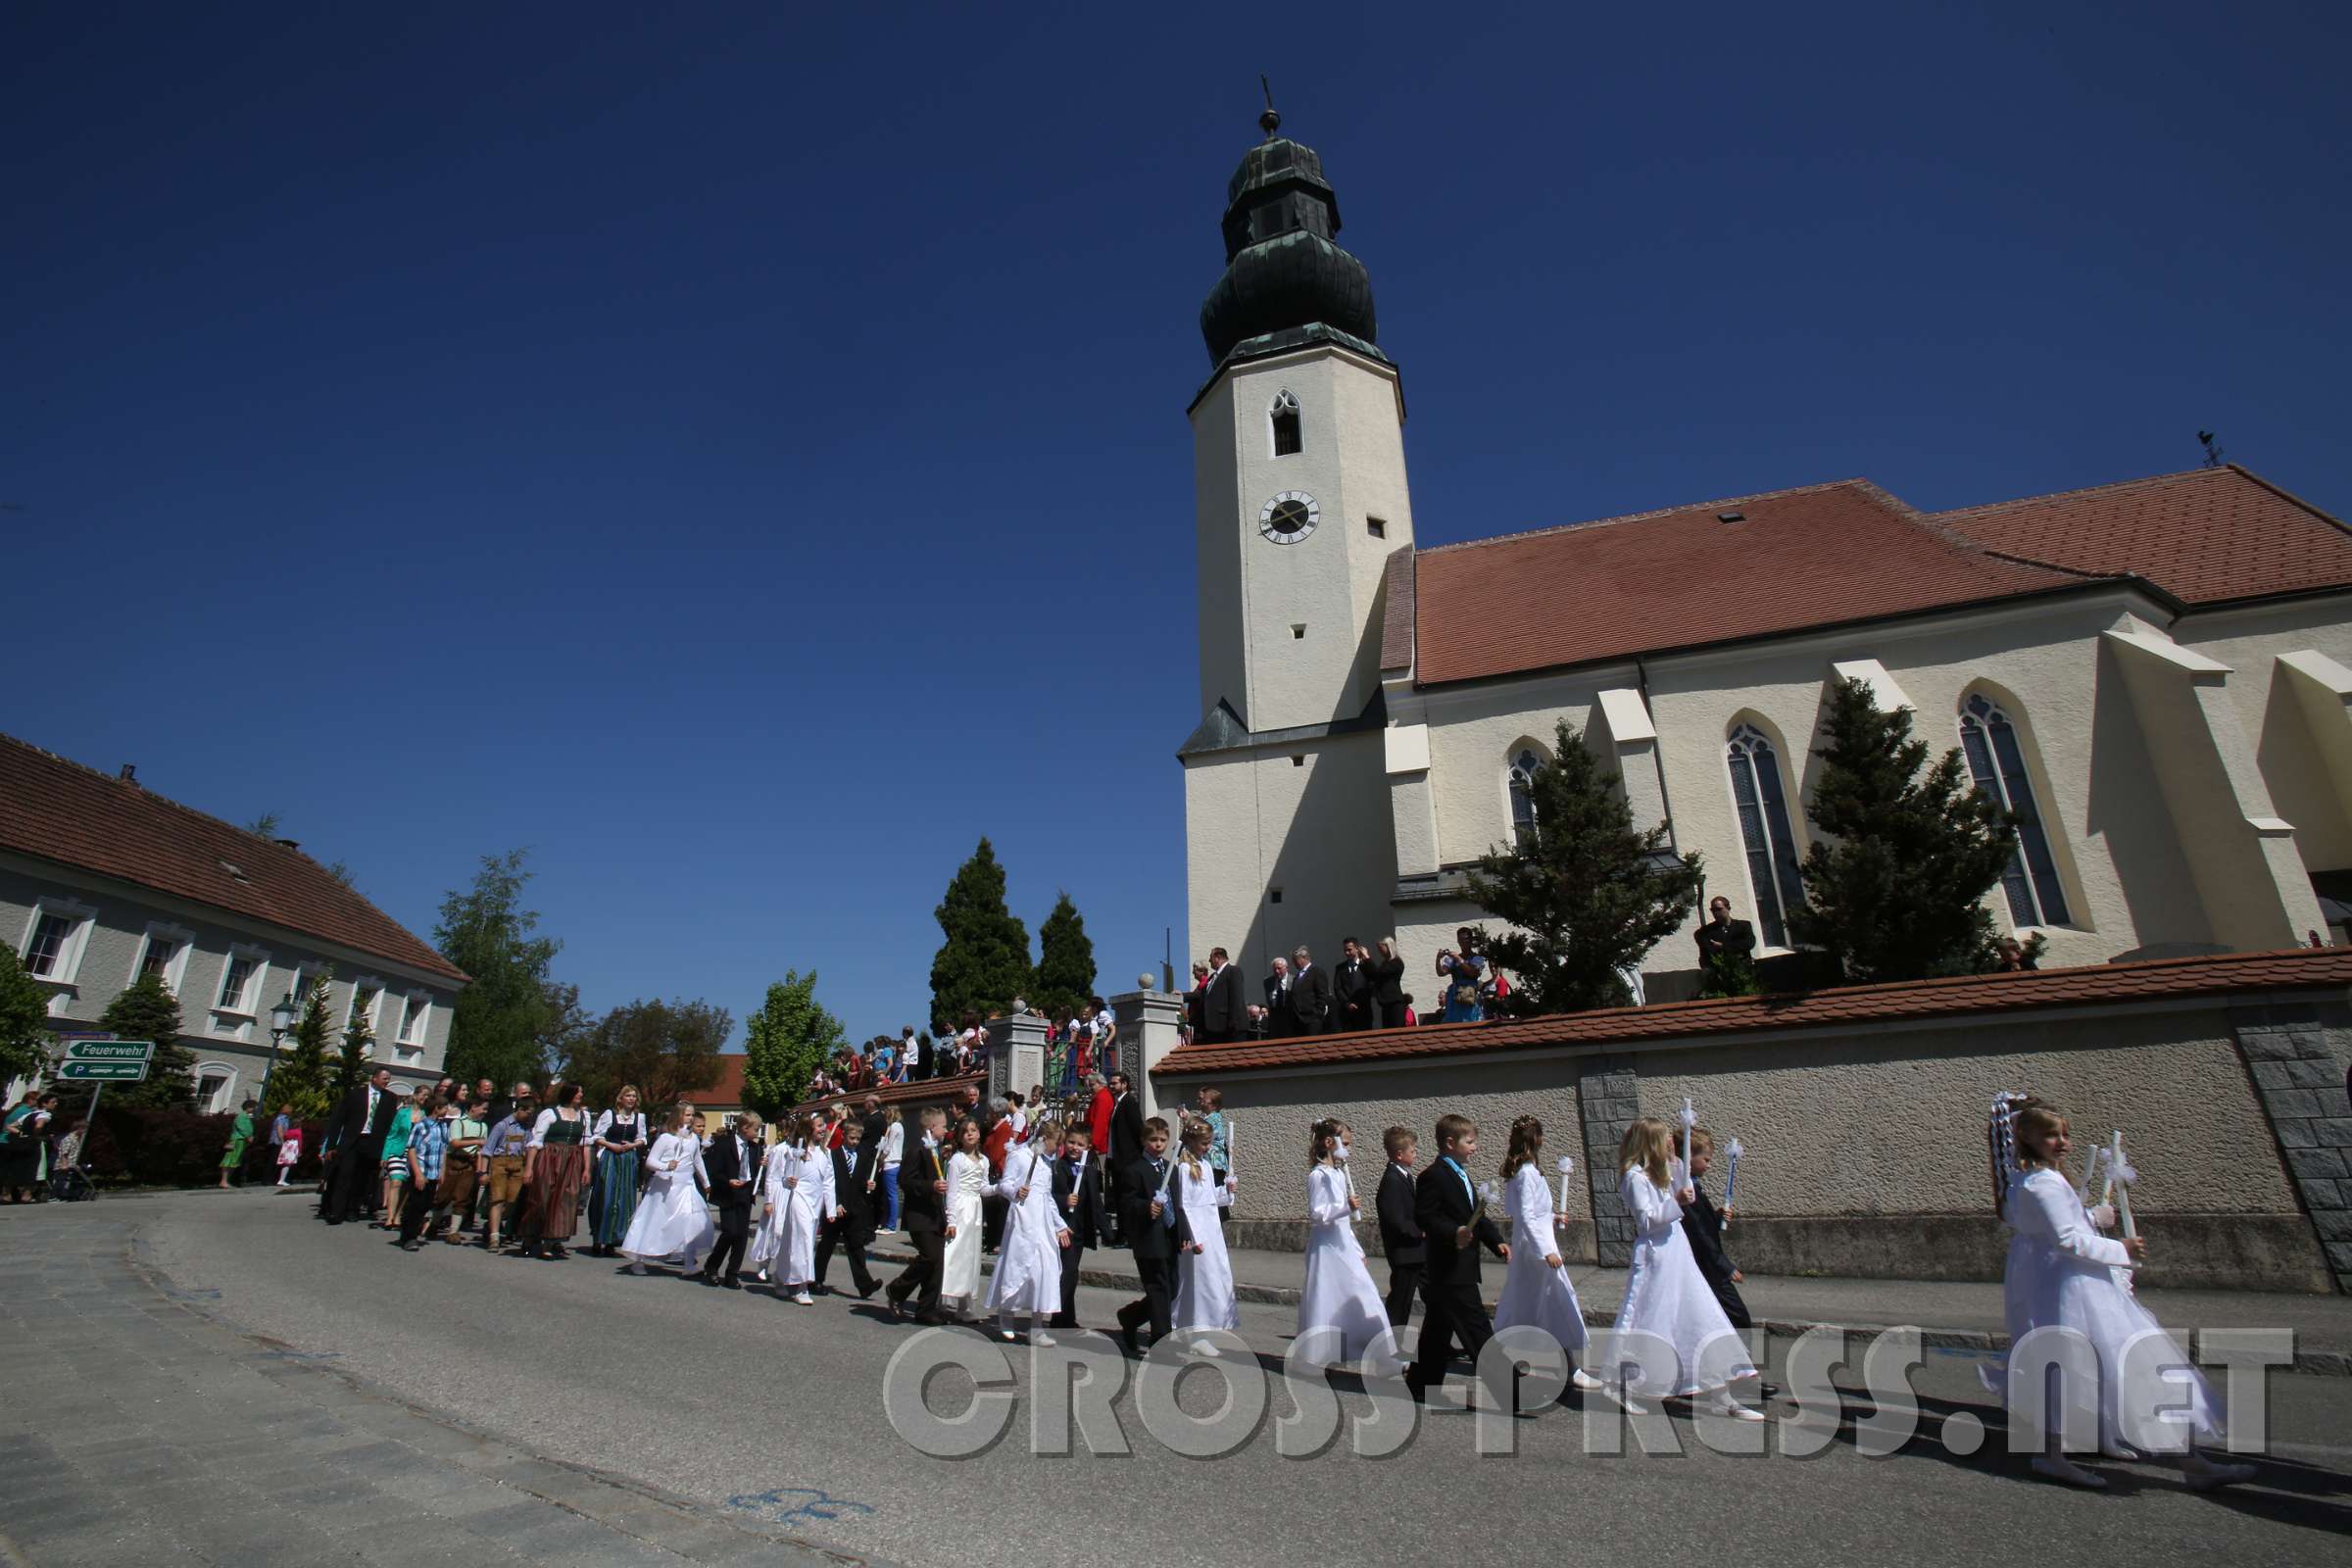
{"x": 2213, "y": 448}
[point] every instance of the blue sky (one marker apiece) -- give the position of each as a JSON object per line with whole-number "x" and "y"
{"x": 738, "y": 452}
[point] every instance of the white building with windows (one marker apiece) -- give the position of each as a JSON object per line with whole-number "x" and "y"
{"x": 2155, "y": 675}
{"x": 102, "y": 880}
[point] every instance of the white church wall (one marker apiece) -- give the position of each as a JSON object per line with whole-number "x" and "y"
{"x": 1317, "y": 830}
{"x": 2291, "y": 741}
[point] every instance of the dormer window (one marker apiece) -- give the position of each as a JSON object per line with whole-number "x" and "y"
{"x": 1284, "y": 418}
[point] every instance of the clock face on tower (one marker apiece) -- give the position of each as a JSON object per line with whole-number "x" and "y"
{"x": 1288, "y": 518}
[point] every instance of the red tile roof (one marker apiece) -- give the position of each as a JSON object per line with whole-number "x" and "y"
{"x": 1621, "y": 586}
{"x": 54, "y": 809}
{"x": 2204, "y": 536}
{"x": 2296, "y": 968}
{"x": 726, "y": 1093}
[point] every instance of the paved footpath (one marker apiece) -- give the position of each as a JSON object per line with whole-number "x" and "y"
{"x": 216, "y": 1377}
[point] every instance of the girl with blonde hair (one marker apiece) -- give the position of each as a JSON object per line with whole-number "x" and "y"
{"x": 1205, "y": 1298}
{"x": 1665, "y": 1295}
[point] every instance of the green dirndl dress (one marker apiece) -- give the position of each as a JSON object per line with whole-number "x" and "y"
{"x": 612, "y": 1200}
{"x": 240, "y": 1133}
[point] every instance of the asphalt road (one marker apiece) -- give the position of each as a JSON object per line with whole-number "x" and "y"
{"x": 748, "y": 1404}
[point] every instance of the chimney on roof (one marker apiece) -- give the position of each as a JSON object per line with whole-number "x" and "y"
{"x": 291, "y": 844}
{"x": 129, "y": 773}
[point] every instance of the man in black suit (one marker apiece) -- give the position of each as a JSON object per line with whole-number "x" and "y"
{"x": 874, "y": 1122}
{"x": 356, "y": 1133}
{"x": 731, "y": 1165}
{"x": 1221, "y": 1006}
{"x": 924, "y": 1211}
{"x": 1310, "y": 995}
{"x": 1400, "y": 1231}
{"x": 1351, "y": 990}
{"x": 1152, "y": 1236}
{"x": 1126, "y": 1148}
{"x": 1078, "y": 1201}
{"x": 1444, "y": 1202}
{"x": 1721, "y": 936}
{"x": 1387, "y": 985}
{"x": 851, "y": 1225}
{"x": 1281, "y": 1022}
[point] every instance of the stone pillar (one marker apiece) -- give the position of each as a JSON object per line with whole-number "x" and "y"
{"x": 1016, "y": 1053}
{"x": 1607, "y": 1099}
{"x": 2297, "y": 1054}
{"x": 1149, "y": 1021}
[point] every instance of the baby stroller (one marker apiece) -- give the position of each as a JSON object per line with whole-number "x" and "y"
{"x": 72, "y": 1185}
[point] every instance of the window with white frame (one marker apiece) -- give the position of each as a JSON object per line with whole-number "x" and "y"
{"x": 1998, "y": 764}
{"x": 1764, "y": 831}
{"x": 237, "y": 982}
{"x": 416, "y": 1016}
{"x": 54, "y": 939}
{"x": 215, "y": 1087}
{"x": 1284, "y": 418}
{"x": 163, "y": 954}
{"x": 364, "y": 994}
{"x": 1524, "y": 769}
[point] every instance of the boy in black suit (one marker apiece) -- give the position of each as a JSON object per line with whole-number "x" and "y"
{"x": 923, "y": 1207}
{"x": 731, "y": 1168}
{"x": 1444, "y": 1204}
{"x": 1151, "y": 1236}
{"x": 1400, "y": 1232}
{"x": 1078, "y": 1201}
{"x": 851, "y": 1225}
{"x": 1703, "y": 1227}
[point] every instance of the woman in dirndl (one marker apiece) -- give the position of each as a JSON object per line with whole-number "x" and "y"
{"x": 554, "y": 1169}
{"x": 621, "y": 1139}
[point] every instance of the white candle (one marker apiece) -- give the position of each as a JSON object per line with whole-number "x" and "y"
{"x": 1689, "y": 1120}
{"x": 1566, "y": 1165}
{"x": 1232, "y": 1164}
{"x": 2120, "y": 1176}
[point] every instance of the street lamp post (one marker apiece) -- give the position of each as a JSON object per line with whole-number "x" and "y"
{"x": 281, "y": 1024}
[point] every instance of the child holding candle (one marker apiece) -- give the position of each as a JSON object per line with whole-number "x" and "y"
{"x": 1339, "y": 1292}
{"x": 1665, "y": 1295}
{"x": 1536, "y": 1288}
{"x": 1028, "y": 1278}
{"x": 2063, "y": 1274}
{"x": 1703, "y": 1225}
{"x": 1205, "y": 1298}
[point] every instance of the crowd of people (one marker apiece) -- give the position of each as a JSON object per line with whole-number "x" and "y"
{"x": 1078, "y": 1043}
{"x": 1364, "y": 989}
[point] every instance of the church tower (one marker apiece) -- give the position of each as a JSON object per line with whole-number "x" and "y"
{"x": 1300, "y": 498}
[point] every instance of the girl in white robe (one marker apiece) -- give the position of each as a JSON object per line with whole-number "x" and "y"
{"x": 1340, "y": 1294}
{"x": 672, "y": 1217}
{"x": 967, "y": 1187}
{"x": 2063, "y": 1274}
{"x": 1535, "y": 1288}
{"x": 799, "y": 1186}
{"x": 1665, "y": 1293}
{"x": 1027, "y": 1283}
{"x": 1203, "y": 1273}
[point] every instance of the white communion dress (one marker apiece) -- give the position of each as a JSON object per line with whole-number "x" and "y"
{"x": 960, "y": 1268}
{"x": 1203, "y": 1279}
{"x": 2063, "y": 1274}
{"x": 1028, "y": 1276}
{"x": 1535, "y": 1294}
{"x": 795, "y": 1212}
{"x": 1666, "y": 1296}
{"x": 1340, "y": 1294}
{"x": 672, "y": 1219}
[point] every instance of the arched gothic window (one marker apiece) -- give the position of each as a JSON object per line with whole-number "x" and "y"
{"x": 1285, "y": 415}
{"x": 1524, "y": 769}
{"x": 1998, "y": 765}
{"x": 1763, "y": 807}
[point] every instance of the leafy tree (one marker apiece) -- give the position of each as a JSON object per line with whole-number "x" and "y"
{"x": 501, "y": 1021}
{"x": 785, "y": 1041}
{"x": 1586, "y": 893}
{"x": 983, "y": 963}
{"x": 301, "y": 1079}
{"x": 359, "y": 1043}
{"x": 1895, "y": 881}
{"x": 265, "y": 825}
{"x": 24, "y": 1019}
{"x": 665, "y": 1049}
{"x": 148, "y": 1010}
{"x": 1065, "y": 961}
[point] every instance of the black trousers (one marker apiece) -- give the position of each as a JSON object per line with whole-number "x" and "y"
{"x": 923, "y": 1275}
{"x": 1158, "y": 1301}
{"x": 1403, "y": 1280}
{"x": 734, "y": 1233}
{"x": 1073, "y": 1259}
{"x": 415, "y": 1215}
{"x": 1392, "y": 1014}
{"x": 352, "y": 1185}
{"x": 1726, "y": 1295}
{"x": 852, "y": 1238}
{"x": 1456, "y": 1313}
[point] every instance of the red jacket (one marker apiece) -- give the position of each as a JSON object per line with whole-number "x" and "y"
{"x": 1098, "y": 1122}
{"x": 994, "y": 1144}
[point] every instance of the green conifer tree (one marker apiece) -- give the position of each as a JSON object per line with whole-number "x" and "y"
{"x": 148, "y": 1010}
{"x": 984, "y": 962}
{"x": 1065, "y": 961}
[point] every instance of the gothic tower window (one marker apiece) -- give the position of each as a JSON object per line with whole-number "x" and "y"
{"x": 1763, "y": 807}
{"x": 1998, "y": 765}
{"x": 1285, "y": 416}
{"x": 1524, "y": 769}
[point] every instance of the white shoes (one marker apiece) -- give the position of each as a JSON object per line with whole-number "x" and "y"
{"x": 635, "y": 1266}
{"x": 1725, "y": 1404}
{"x": 762, "y": 1276}
{"x": 1583, "y": 1381}
{"x": 1043, "y": 1339}
{"x": 804, "y": 1299}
